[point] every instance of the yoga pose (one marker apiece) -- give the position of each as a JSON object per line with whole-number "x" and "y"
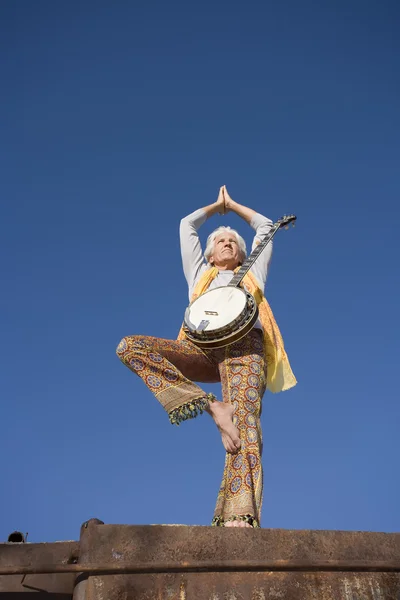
{"x": 245, "y": 368}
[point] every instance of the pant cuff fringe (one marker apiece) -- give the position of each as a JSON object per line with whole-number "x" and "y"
{"x": 219, "y": 521}
{"x": 190, "y": 410}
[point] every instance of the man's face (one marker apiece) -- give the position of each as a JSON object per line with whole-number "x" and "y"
{"x": 226, "y": 253}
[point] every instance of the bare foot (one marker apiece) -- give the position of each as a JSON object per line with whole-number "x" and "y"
{"x": 237, "y": 524}
{"x": 222, "y": 413}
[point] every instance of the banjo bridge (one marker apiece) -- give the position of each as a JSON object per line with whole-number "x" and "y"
{"x": 202, "y": 325}
{"x": 211, "y": 312}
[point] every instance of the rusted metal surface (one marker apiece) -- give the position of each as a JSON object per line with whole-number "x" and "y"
{"x": 210, "y": 547}
{"x": 245, "y": 586}
{"x": 150, "y": 544}
{"x": 120, "y": 562}
{"x": 216, "y": 566}
{"x": 54, "y": 586}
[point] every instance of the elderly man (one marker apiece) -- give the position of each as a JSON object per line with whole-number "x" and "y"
{"x": 169, "y": 368}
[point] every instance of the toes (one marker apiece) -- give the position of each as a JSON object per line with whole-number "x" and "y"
{"x": 235, "y": 438}
{"x": 227, "y": 443}
{"x": 234, "y": 449}
{"x": 236, "y": 523}
{"x": 237, "y": 444}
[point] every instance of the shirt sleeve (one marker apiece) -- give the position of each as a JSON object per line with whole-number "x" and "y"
{"x": 192, "y": 255}
{"x": 262, "y": 226}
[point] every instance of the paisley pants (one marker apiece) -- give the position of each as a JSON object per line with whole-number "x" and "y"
{"x": 169, "y": 368}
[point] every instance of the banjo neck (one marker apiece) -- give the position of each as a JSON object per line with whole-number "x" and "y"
{"x": 250, "y": 260}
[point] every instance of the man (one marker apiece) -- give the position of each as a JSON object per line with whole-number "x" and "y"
{"x": 169, "y": 367}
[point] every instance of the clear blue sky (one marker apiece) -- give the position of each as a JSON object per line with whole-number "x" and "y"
{"x": 117, "y": 120}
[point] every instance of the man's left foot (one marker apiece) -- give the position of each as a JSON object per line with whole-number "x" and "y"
{"x": 222, "y": 413}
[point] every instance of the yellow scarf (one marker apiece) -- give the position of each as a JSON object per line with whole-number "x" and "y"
{"x": 279, "y": 373}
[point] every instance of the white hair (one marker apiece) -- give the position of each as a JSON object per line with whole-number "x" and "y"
{"x": 211, "y": 241}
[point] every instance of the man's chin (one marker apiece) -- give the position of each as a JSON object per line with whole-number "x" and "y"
{"x": 228, "y": 266}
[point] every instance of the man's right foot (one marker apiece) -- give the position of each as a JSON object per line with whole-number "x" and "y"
{"x": 238, "y": 523}
{"x": 222, "y": 413}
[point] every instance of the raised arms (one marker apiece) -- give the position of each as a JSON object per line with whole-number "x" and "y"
{"x": 192, "y": 255}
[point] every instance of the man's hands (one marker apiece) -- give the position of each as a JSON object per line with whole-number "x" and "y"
{"x": 227, "y": 200}
{"x": 220, "y": 204}
{"x": 242, "y": 211}
{"x": 225, "y": 204}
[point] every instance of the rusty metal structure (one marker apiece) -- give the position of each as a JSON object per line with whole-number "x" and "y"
{"x": 157, "y": 562}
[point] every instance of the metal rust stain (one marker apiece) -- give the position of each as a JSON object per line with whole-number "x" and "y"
{"x": 355, "y": 588}
{"x": 182, "y": 591}
{"x": 258, "y": 594}
{"x": 273, "y": 593}
{"x": 251, "y": 586}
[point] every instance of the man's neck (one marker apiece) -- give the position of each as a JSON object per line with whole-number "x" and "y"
{"x": 226, "y": 267}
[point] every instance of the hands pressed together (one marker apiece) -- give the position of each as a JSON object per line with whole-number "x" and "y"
{"x": 224, "y": 201}
{"x": 225, "y": 204}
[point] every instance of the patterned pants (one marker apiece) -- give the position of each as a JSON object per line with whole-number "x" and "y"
{"x": 169, "y": 367}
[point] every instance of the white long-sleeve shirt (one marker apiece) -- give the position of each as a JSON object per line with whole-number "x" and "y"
{"x": 193, "y": 260}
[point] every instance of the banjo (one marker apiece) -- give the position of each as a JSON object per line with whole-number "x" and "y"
{"x": 225, "y": 314}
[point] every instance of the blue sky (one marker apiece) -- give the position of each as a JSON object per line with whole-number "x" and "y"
{"x": 119, "y": 119}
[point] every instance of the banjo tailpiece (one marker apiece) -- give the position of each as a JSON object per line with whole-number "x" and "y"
{"x": 203, "y": 324}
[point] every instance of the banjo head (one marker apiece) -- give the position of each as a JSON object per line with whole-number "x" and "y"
{"x": 214, "y": 317}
